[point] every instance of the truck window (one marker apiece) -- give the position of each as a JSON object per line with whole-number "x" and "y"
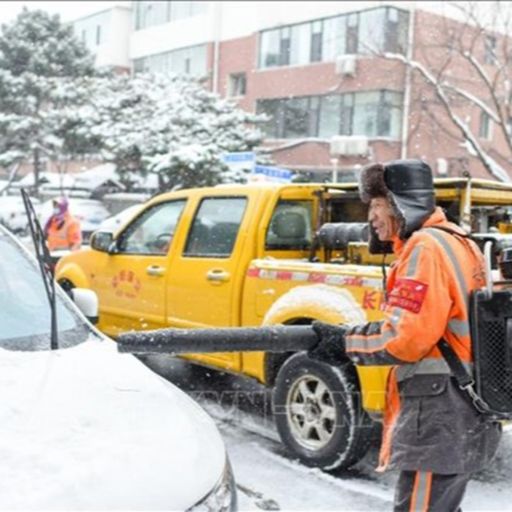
{"x": 152, "y": 232}
{"x": 290, "y": 226}
{"x": 215, "y": 227}
{"x": 348, "y": 210}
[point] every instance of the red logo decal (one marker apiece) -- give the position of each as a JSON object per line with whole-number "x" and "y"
{"x": 408, "y": 294}
{"x": 126, "y": 284}
{"x": 372, "y": 299}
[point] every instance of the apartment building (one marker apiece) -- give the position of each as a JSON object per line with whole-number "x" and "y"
{"x": 333, "y": 105}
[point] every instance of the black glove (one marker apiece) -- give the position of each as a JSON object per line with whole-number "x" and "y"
{"x": 331, "y": 343}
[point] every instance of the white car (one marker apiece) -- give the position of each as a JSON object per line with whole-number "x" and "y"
{"x": 13, "y": 215}
{"x": 85, "y": 427}
{"x": 90, "y": 212}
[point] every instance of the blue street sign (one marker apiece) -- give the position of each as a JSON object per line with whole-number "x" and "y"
{"x": 242, "y": 156}
{"x": 273, "y": 173}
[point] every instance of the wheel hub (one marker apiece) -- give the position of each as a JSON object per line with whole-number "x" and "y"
{"x": 311, "y": 412}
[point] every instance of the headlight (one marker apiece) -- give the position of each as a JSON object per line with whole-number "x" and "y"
{"x": 222, "y": 498}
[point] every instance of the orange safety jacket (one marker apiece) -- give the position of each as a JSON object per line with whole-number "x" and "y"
{"x": 67, "y": 236}
{"x": 427, "y": 421}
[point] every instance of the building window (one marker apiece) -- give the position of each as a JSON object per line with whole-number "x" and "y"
{"x": 139, "y": 65}
{"x": 190, "y": 61}
{"x": 490, "y": 50}
{"x": 185, "y": 61}
{"x": 389, "y": 116}
{"x": 269, "y": 49}
{"x": 284, "y": 46}
{"x": 364, "y": 32}
{"x": 371, "y": 31}
{"x": 300, "y": 44}
{"x": 316, "y": 41}
{"x": 296, "y": 118}
{"x": 366, "y": 105}
{"x": 371, "y": 113}
{"x": 395, "y": 31}
{"x": 273, "y": 110}
{"x": 329, "y": 124}
{"x": 237, "y": 84}
{"x": 376, "y": 114}
{"x": 352, "y": 33}
{"x": 313, "y": 115}
{"x": 148, "y": 14}
{"x": 346, "y": 114}
{"x": 98, "y": 34}
{"x": 485, "y": 126}
{"x": 334, "y": 37}
{"x": 180, "y": 9}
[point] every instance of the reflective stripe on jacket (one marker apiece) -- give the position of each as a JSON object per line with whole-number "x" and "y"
{"x": 428, "y": 424}
{"x": 68, "y": 236}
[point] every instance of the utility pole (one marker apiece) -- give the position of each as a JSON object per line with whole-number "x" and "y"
{"x": 334, "y": 162}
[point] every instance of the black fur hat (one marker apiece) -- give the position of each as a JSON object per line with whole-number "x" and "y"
{"x": 371, "y": 183}
{"x": 409, "y": 186}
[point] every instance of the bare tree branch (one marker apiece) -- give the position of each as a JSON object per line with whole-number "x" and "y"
{"x": 490, "y": 164}
{"x": 475, "y": 100}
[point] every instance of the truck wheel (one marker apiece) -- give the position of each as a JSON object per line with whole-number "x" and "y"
{"x": 318, "y": 413}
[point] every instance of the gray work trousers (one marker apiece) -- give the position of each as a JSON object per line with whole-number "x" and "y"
{"x": 422, "y": 491}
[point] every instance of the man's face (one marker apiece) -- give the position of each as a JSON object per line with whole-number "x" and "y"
{"x": 382, "y": 218}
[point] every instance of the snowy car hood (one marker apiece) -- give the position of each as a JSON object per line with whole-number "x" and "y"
{"x": 89, "y": 428}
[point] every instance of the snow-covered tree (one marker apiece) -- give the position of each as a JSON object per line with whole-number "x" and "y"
{"x": 462, "y": 78}
{"x": 43, "y": 70}
{"x": 171, "y": 126}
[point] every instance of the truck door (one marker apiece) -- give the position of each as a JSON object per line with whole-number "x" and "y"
{"x": 204, "y": 287}
{"x": 131, "y": 282}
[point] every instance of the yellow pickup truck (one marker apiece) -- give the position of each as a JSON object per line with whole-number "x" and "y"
{"x": 262, "y": 254}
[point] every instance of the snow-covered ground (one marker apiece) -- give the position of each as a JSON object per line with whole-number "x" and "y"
{"x": 268, "y": 480}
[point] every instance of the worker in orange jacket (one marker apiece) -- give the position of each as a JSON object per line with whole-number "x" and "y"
{"x": 62, "y": 231}
{"x": 432, "y": 432}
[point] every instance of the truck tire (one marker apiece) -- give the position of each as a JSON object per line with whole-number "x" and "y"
{"x": 318, "y": 413}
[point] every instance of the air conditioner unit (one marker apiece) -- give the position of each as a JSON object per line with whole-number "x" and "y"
{"x": 357, "y": 145}
{"x": 346, "y": 65}
{"x": 338, "y": 145}
{"x": 349, "y": 145}
{"x": 442, "y": 167}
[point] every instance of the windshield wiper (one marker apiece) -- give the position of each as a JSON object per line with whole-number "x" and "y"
{"x": 45, "y": 264}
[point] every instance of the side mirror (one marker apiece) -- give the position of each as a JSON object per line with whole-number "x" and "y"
{"x": 101, "y": 241}
{"x": 87, "y": 302}
{"x": 505, "y": 263}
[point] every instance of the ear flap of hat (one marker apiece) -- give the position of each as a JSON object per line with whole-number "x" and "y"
{"x": 376, "y": 246}
{"x": 372, "y": 183}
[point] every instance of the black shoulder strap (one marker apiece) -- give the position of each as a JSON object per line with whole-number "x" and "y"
{"x": 463, "y": 378}
{"x": 458, "y": 369}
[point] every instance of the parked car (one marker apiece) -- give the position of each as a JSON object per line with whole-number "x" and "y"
{"x": 13, "y": 215}
{"x": 90, "y": 212}
{"x": 84, "y": 427}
